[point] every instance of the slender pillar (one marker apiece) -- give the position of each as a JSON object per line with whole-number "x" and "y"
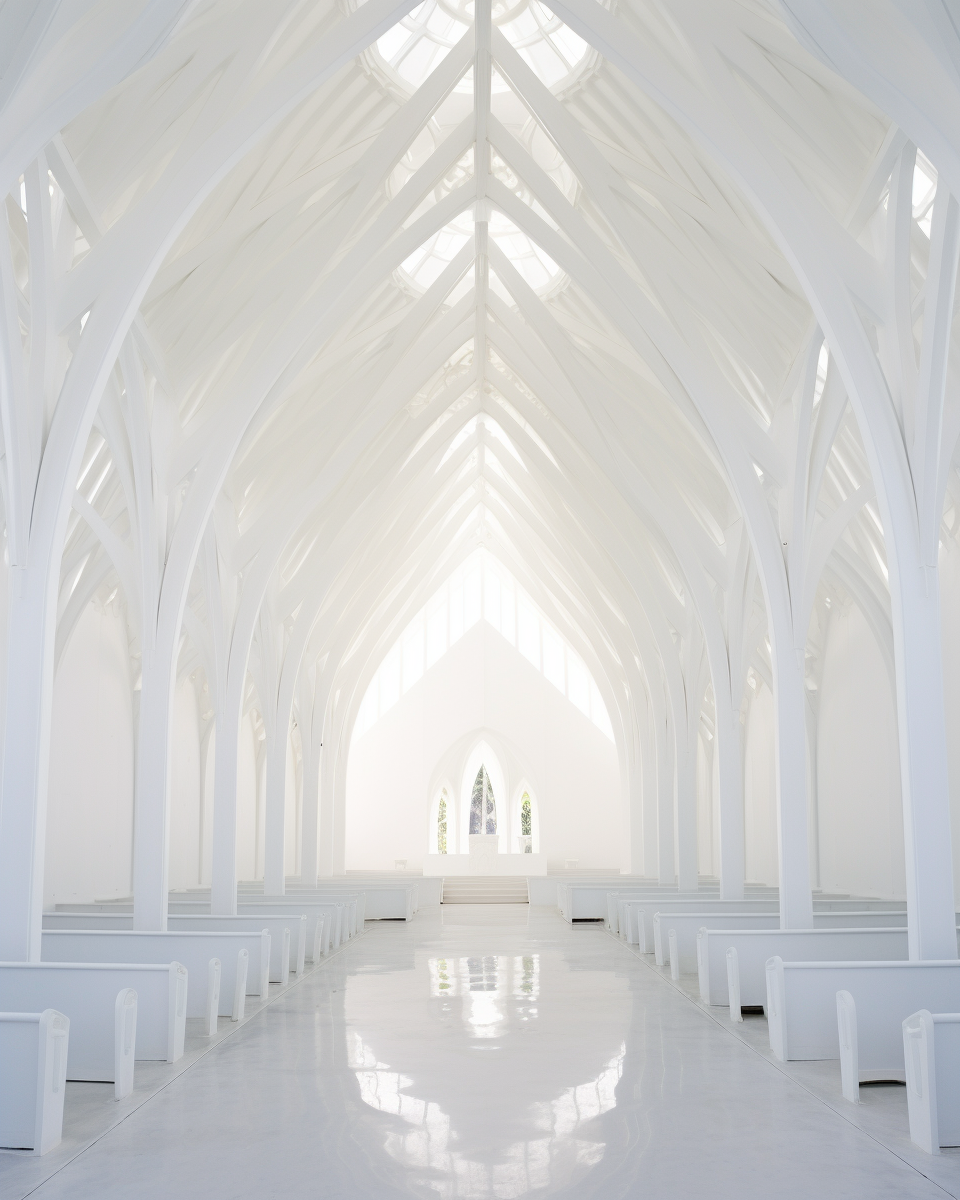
{"x": 796, "y": 899}
{"x": 730, "y": 780}
{"x": 310, "y": 817}
{"x": 666, "y": 868}
{"x": 26, "y": 759}
{"x": 275, "y": 816}
{"x": 223, "y": 881}
{"x": 688, "y": 878}
{"x": 915, "y": 603}
{"x": 151, "y": 830}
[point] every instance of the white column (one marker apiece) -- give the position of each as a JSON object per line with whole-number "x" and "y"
{"x": 310, "y": 817}
{"x": 223, "y": 882}
{"x": 796, "y": 899}
{"x": 31, "y": 624}
{"x": 666, "y": 868}
{"x": 648, "y": 763}
{"x": 915, "y": 604}
{"x": 276, "y": 805}
{"x": 151, "y": 800}
{"x": 730, "y": 775}
{"x": 688, "y": 877}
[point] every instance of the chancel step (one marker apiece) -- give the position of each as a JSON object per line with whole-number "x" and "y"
{"x": 485, "y": 889}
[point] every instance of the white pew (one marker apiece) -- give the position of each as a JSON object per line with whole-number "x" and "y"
{"x": 642, "y": 912}
{"x": 257, "y": 977}
{"x": 288, "y": 936}
{"x": 354, "y": 902}
{"x": 325, "y": 921}
{"x": 352, "y": 906}
{"x": 755, "y": 946}
{"x": 33, "y": 1051}
{"x": 688, "y": 925}
{"x": 239, "y": 955}
{"x": 931, "y": 1051}
{"x": 802, "y": 1007}
{"x": 87, "y": 994}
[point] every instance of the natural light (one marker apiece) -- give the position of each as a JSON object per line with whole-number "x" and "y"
{"x": 481, "y": 589}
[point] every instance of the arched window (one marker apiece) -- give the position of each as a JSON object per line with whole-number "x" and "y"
{"x": 526, "y": 816}
{"x": 442, "y": 823}
{"x": 483, "y": 805}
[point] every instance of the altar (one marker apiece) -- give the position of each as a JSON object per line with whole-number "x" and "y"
{"x": 485, "y": 859}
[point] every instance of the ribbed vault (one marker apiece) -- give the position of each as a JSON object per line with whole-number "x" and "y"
{"x": 305, "y": 326}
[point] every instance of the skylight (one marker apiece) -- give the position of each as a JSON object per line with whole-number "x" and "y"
{"x": 407, "y": 53}
{"x": 428, "y": 261}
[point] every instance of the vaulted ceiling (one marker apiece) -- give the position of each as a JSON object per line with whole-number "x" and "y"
{"x": 474, "y": 285}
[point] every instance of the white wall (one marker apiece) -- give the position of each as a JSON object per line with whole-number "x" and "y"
{"x": 858, "y": 774}
{"x": 483, "y": 684}
{"x": 90, "y": 801}
{"x": 761, "y": 859}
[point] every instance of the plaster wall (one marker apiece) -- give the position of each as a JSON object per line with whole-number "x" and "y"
{"x": 761, "y": 859}
{"x": 483, "y": 685}
{"x": 858, "y": 764}
{"x": 90, "y": 800}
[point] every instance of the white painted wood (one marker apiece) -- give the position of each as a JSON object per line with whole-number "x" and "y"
{"x": 87, "y": 994}
{"x": 106, "y": 937}
{"x": 125, "y": 1042}
{"x": 733, "y": 985}
{"x": 33, "y": 1049}
{"x": 801, "y": 1007}
{"x": 931, "y": 1051}
{"x": 849, "y": 1056}
{"x": 755, "y": 946}
{"x": 688, "y": 925}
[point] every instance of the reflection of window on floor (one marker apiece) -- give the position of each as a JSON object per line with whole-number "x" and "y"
{"x": 442, "y": 823}
{"x": 483, "y": 805}
{"x": 526, "y": 821}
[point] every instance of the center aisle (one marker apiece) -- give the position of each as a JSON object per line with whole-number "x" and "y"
{"x": 484, "y": 1051}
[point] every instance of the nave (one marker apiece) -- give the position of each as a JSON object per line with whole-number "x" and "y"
{"x": 498, "y": 1051}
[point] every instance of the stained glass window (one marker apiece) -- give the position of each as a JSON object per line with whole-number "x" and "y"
{"x": 483, "y": 805}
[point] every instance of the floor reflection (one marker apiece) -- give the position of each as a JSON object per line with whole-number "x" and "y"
{"x": 495, "y": 1081}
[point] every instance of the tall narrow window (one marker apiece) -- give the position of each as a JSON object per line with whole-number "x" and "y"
{"x": 483, "y": 805}
{"x": 526, "y": 823}
{"x": 442, "y": 823}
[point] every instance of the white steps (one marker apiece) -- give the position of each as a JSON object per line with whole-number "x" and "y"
{"x": 485, "y": 889}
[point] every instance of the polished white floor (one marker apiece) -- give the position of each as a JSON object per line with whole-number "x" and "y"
{"x": 489, "y": 1052}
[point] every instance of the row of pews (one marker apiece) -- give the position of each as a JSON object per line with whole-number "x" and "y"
{"x": 105, "y": 995}
{"x": 844, "y": 989}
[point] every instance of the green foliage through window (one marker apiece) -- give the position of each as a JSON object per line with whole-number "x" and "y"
{"x": 442, "y": 824}
{"x": 483, "y": 806}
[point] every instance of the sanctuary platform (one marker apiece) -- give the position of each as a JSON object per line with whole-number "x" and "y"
{"x": 485, "y": 859}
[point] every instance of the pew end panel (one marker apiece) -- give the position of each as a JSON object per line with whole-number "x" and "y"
{"x": 33, "y": 1050}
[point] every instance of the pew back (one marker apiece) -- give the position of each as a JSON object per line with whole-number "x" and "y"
{"x": 755, "y": 946}
{"x": 86, "y": 993}
{"x": 33, "y": 1051}
{"x": 193, "y": 949}
{"x": 802, "y": 1007}
{"x": 688, "y": 925}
